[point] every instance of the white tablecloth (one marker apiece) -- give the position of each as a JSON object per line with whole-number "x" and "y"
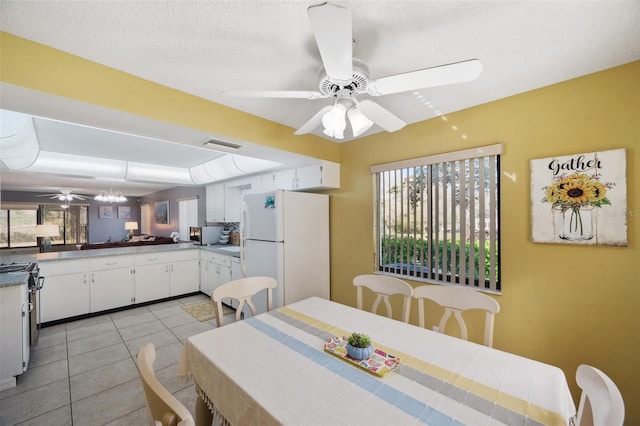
{"x": 272, "y": 369}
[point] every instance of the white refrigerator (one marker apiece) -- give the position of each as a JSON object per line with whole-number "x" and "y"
{"x": 285, "y": 235}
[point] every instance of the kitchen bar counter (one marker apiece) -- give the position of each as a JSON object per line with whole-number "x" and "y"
{"x": 88, "y": 254}
{"x": 116, "y": 251}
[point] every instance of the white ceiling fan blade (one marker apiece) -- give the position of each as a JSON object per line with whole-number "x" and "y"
{"x": 313, "y": 122}
{"x": 429, "y": 77}
{"x": 331, "y": 26}
{"x": 290, "y": 94}
{"x": 381, "y": 116}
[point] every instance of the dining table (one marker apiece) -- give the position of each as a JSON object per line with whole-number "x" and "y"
{"x": 288, "y": 366}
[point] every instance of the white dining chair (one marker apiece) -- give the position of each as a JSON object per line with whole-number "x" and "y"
{"x": 164, "y": 409}
{"x": 456, "y": 300}
{"x": 384, "y": 287}
{"x": 601, "y": 403}
{"x": 242, "y": 290}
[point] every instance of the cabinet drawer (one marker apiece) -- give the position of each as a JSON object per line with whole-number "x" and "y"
{"x": 221, "y": 259}
{"x": 63, "y": 267}
{"x": 177, "y": 256}
{"x": 111, "y": 262}
{"x": 152, "y": 258}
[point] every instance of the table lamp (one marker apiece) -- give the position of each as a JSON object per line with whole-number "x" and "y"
{"x": 46, "y": 231}
{"x": 130, "y": 226}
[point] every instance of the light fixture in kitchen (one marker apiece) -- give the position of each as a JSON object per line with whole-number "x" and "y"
{"x": 110, "y": 197}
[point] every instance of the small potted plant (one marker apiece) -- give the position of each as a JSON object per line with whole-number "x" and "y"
{"x": 359, "y": 346}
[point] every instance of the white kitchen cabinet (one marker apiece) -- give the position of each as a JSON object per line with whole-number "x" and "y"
{"x": 206, "y": 280}
{"x": 152, "y": 277}
{"x": 112, "y": 282}
{"x": 236, "y": 274}
{"x": 14, "y": 333}
{"x": 184, "y": 272}
{"x": 323, "y": 175}
{"x": 232, "y": 198}
{"x": 215, "y": 203}
{"x": 216, "y": 270}
{"x": 66, "y": 290}
{"x": 318, "y": 176}
{"x": 268, "y": 183}
{"x": 285, "y": 179}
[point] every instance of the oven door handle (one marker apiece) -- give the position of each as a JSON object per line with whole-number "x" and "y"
{"x": 40, "y": 283}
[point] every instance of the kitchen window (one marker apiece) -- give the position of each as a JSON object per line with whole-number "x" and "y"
{"x": 18, "y": 225}
{"x": 437, "y": 218}
{"x": 71, "y": 220}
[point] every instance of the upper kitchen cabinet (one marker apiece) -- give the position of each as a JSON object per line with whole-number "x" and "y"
{"x": 324, "y": 175}
{"x": 223, "y": 203}
{"x": 318, "y": 176}
{"x": 215, "y": 202}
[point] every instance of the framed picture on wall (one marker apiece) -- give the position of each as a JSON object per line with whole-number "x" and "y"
{"x": 105, "y": 212}
{"x": 580, "y": 199}
{"x": 124, "y": 212}
{"x": 162, "y": 212}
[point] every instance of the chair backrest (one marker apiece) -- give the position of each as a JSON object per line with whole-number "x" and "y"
{"x": 164, "y": 408}
{"x": 384, "y": 286}
{"x": 242, "y": 290}
{"x": 455, "y": 300}
{"x": 601, "y": 403}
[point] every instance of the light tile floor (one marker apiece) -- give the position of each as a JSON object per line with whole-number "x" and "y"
{"x": 84, "y": 372}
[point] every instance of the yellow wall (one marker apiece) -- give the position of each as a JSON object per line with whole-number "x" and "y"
{"x": 561, "y": 304}
{"x": 38, "y": 67}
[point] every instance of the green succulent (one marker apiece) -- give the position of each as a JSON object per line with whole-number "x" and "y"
{"x": 359, "y": 340}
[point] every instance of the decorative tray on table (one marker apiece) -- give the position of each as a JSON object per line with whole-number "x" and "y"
{"x": 380, "y": 363}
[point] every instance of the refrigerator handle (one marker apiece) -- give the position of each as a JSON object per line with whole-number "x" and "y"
{"x": 244, "y": 216}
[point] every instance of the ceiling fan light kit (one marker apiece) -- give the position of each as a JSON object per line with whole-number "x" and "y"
{"x": 343, "y": 78}
{"x": 110, "y": 197}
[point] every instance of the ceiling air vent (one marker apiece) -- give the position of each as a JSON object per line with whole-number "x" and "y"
{"x": 222, "y": 143}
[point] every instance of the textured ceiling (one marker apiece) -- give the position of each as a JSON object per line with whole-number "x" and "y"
{"x": 206, "y": 47}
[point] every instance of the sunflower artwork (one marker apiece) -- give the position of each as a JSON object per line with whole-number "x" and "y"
{"x": 581, "y": 199}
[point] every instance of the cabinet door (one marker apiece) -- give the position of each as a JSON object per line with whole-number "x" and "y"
{"x": 205, "y": 286}
{"x": 285, "y": 179}
{"x": 185, "y": 277}
{"x": 66, "y": 290}
{"x": 152, "y": 282}
{"x": 232, "y": 197}
{"x": 236, "y": 269}
{"x": 217, "y": 203}
{"x": 111, "y": 288}
{"x": 268, "y": 183}
{"x": 321, "y": 175}
{"x": 64, "y": 296}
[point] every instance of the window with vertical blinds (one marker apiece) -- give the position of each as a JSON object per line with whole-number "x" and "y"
{"x": 437, "y": 218}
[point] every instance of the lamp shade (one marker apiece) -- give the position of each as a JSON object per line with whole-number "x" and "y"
{"x": 359, "y": 123}
{"x": 131, "y": 226}
{"x": 47, "y": 231}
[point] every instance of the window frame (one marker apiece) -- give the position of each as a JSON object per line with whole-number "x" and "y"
{"x": 412, "y": 243}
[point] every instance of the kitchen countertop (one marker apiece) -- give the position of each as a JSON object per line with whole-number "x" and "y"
{"x": 115, "y": 251}
{"x": 13, "y": 278}
{"x": 229, "y": 250}
{"x": 20, "y": 278}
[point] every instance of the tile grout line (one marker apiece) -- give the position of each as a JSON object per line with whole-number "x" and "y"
{"x": 66, "y": 341}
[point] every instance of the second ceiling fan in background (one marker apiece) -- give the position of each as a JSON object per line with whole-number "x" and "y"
{"x": 343, "y": 78}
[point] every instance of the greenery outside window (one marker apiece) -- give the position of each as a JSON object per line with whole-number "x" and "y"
{"x": 437, "y": 218}
{"x": 72, "y": 222}
{"x": 18, "y": 226}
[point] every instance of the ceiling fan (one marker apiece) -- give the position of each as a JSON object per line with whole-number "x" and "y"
{"x": 65, "y": 195}
{"x": 343, "y": 78}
